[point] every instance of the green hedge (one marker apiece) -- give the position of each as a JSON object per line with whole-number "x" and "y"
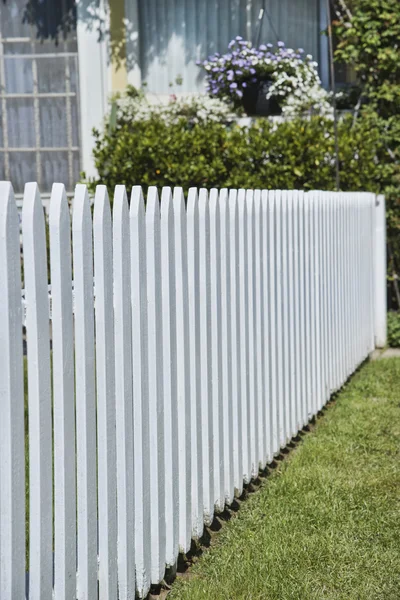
{"x": 297, "y": 154}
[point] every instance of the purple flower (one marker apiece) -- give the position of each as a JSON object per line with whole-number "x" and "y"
{"x": 244, "y": 84}
{"x": 263, "y": 47}
{"x": 300, "y": 50}
{"x": 231, "y": 44}
{"x": 270, "y": 46}
{"x": 238, "y": 38}
{"x": 252, "y": 71}
{"x": 281, "y": 44}
{"x": 239, "y": 72}
{"x": 239, "y": 93}
{"x": 233, "y": 86}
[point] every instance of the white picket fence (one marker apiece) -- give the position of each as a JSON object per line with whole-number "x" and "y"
{"x": 216, "y": 333}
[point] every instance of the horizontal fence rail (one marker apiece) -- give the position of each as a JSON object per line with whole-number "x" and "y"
{"x": 188, "y": 340}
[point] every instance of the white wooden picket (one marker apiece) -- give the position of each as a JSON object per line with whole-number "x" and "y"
{"x": 105, "y": 380}
{"x": 196, "y": 383}
{"x": 155, "y": 386}
{"x": 141, "y": 448}
{"x": 63, "y": 396}
{"x": 39, "y": 397}
{"x": 123, "y": 394}
{"x": 12, "y": 452}
{"x": 85, "y": 396}
{"x": 170, "y": 407}
{"x": 187, "y": 342}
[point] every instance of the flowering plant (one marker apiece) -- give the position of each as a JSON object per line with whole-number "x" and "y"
{"x": 133, "y": 106}
{"x": 294, "y": 79}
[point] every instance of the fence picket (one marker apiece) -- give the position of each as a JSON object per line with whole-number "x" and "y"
{"x": 271, "y": 320}
{"x": 156, "y": 393}
{"x": 123, "y": 394}
{"x": 140, "y": 392}
{"x": 39, "y": 397}
{"x": 183, "y": 371}
{"x": 250, "y": 255}
{"x": 105, "y": 372}
{"x": 216, "y": 350}
{"x": 205, "y": 357}
{"x": 170, "y": 406}
{"x": 296, "y": 311}
{"x": 85, "y": 396}
{"x": 12, "y": 450}
{"x": 237, "y": 473}
{"x": 286, "y": 412}
{"x": 308, "y": 313}
{"x": 194, "y": 342}
{"x": 226, "y": 346}
{"x": 302, "y": 314}
{"x": 259, "y": 328}
{"x": 244, "y": 338}
{"x": 291, "y": 372}
{"x": 63, "y": 397}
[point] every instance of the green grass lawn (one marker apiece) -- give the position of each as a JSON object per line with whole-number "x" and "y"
{"x": 326, "y": 523}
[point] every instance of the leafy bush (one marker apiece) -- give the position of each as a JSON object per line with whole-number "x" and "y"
{"x": 368, "y": 39}
{"x": 168, "y": 146}
{"x": 393, "y": 329}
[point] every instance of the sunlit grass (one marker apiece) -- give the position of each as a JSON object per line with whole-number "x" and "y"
{"x": 326, "y": 524}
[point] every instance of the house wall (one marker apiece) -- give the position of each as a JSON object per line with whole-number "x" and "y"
{"x": 174, "y": 35}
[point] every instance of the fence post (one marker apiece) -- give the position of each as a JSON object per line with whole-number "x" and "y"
{"x": 380, "y": 273}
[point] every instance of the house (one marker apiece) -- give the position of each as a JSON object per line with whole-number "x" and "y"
{"x": 60, "y": 60}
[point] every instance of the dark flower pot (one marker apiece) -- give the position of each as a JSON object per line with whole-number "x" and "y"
{"x": 255, "y": 100}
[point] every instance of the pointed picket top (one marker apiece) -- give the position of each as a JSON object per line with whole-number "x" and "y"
{"x": 137, "y": 202}
{"x": 8, "y": 208}
{"x": 102, "y": 210}
{"x": 32, "y": 207}
{"x": 80, "y": 207}
{"x": 179, "y": 203}
{"x": 166, "y": 203}
{"x": 152, "y": 204}
{"x": 192, "y": 201}
{"x": 58, "y": 204}
{"x": 120, "y": 205}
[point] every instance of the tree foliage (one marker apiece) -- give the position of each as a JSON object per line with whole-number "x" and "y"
{"x": 369, "y": 40}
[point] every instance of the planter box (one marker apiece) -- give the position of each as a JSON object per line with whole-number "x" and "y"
{"x": 255, "y": 100}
